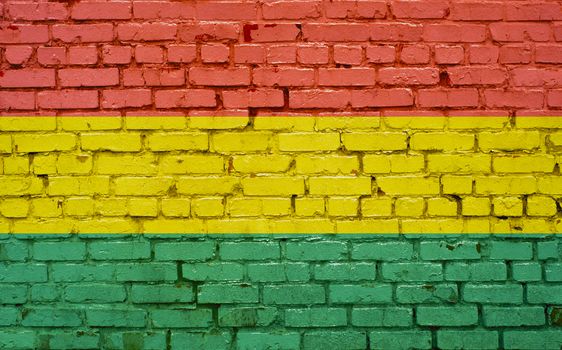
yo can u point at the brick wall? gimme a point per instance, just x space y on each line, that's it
423 135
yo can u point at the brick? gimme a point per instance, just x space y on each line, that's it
352 55
262 33
381 316
115 317
513 316
471 33
346 77
412 272
97 293
68 99
409 76
447 316
232 316
227 294
184 251
543 294
511 250
482 293
349 339
531 339
247 340
446 251
427 293
83 55
403 339
88 33
96 10
478 339
49 251
51 317
317 317
448 98
294 294
279 272
360 294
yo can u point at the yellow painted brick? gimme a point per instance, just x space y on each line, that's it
216 123
456 184
298 142
284 123
327 164
417 226
505 184
208 207
115 142
521 226
509 140
174 226
441 207
301 225
79 207
524 164
343 206
241 142
238 225
107 226
176 207
111 206
207 185
24 143
46 207
273 186
74 163
476 206
44 164
16 165
142 186
442 141
155 123
416 122
192 164
19 186
395 163
528 122
147 207
185 141
43 226
541 206
384 226
270 163
14 208
507 206
118 164
347 123
309 206
347 186
555 139
374 141
476 225
459 163
478 123
5 143
409 206
239 207
276 206
28 123
4 226
550 185
90 123
408 185
373 207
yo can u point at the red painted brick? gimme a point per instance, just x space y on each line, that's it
454 98
82 55
533 11
355 9
483 54
558 31
76 77
36 11
22 78
149 54
291 9
219 76
382 98
18 54
548 54
420 9
279 54
181 53
462 10
215 53
101 10
319 98
381 54
249 53
530 76
17 100
83 33
223 10
112 99
449 54
68 99
153 77
529 99
24 34
415 54
476 75
455 33
272 32
253 98
185 98
506 32
283 76
163 10
554 98
146 31
515 54
51 55
117 54
312 54
336 32
345 54
213 31
346 77
396 32
408 76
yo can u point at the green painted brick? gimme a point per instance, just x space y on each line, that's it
345 272
45 292
182 318
14 251
161 293
219 271
21 272
135 340
316 251
146 272
382 340
350 340
17 339
279 272
8 315
532 340
554 315
184 251
548 250
73 340
544 294
233 316
316 317
360 294
249 251
82 273
382 317
412 272
227 294
95 293
513 316
59 251
386 251
511 250
464 250
476 271
278 340
119 250
553 272
447 315
467 339
13 294
51 317
115 317
201 341
493 293
294 294
446 293
526 271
